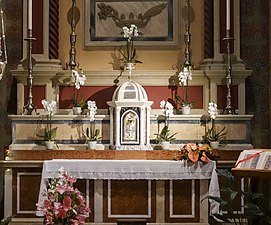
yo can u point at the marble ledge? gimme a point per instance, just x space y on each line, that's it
18 147
244 117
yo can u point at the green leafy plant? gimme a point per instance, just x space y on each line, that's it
213 135
48 133
81 104
165 135
253 206
181 102
184 76
129 52
78 79
92 134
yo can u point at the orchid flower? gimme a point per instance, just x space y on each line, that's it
212 110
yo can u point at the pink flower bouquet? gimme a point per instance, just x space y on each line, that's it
63 203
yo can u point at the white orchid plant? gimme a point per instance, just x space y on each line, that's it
184 76
48 133
212 134
167 111
92 133
79 80
129 52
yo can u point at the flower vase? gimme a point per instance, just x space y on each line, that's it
76 110
165 145
49 145
186 110
92 145
214 144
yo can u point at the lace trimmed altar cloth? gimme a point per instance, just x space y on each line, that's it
133 170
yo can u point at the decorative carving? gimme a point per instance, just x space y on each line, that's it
107 11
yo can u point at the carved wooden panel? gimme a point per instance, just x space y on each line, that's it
26 184
182 201
133 199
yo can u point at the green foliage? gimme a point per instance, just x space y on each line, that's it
92 134
254 211
81 104
129 58
48 134
6 221
213 135
165 135
182 103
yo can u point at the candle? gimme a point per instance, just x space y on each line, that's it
228 15
30 14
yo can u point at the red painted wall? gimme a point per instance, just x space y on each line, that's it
102 94
38 92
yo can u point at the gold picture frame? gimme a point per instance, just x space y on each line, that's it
158 23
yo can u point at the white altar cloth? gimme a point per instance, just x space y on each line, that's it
132 170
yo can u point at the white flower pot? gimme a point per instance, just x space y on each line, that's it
76 110
214 144
49 145
92 145
165 145
186 110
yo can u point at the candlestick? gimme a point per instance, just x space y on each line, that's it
228 15
30 14
229 109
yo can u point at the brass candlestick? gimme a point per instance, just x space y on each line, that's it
29 107
228 108
187 38
74 14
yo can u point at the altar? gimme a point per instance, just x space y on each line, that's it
149 190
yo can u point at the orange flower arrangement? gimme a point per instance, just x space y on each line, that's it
195 152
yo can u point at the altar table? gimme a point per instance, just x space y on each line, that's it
133 170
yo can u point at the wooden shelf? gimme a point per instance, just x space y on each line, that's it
94 154
252 173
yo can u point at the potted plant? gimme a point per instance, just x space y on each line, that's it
212 135
92 133
184 76
63 204
48 133
78 79
129 52
253 210
165 137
